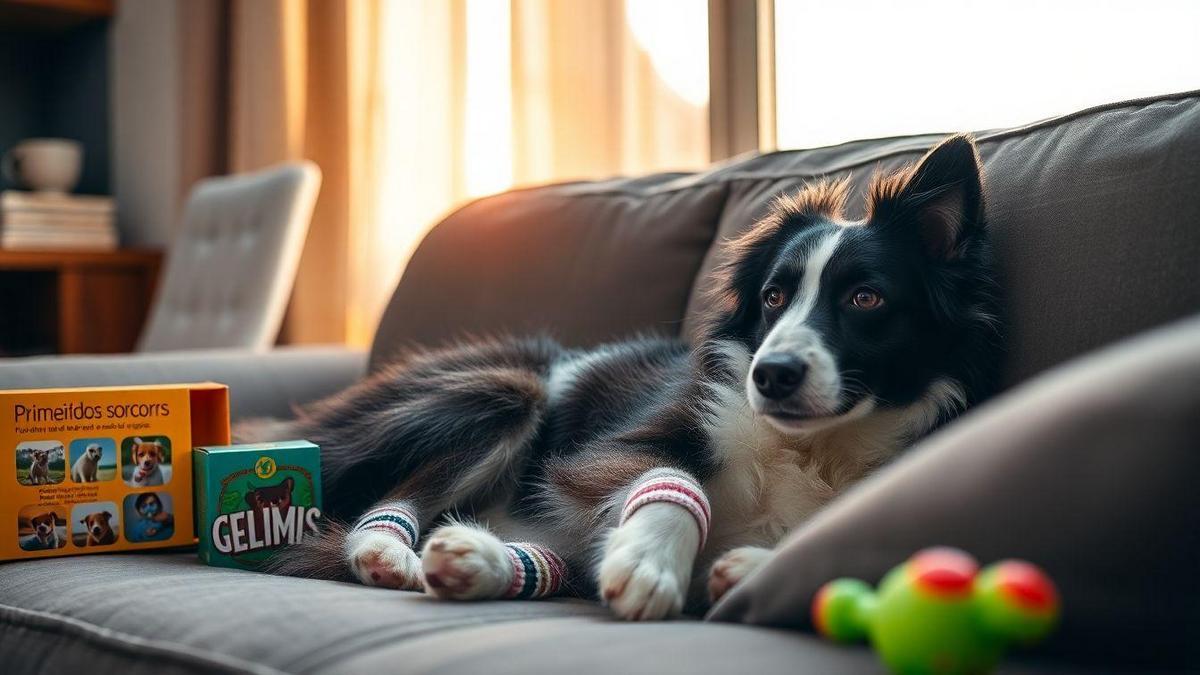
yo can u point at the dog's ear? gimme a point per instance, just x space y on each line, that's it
289 483
107 515
137 440
940 198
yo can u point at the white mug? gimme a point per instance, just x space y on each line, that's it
44 164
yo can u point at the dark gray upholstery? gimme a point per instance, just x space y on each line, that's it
168 613
1097 224
587 262
261 384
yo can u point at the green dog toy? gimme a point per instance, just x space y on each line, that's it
937 613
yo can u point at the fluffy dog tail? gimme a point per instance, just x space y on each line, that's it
319 556
444 429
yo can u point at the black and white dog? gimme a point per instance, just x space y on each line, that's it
623 470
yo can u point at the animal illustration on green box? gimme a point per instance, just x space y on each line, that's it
251 500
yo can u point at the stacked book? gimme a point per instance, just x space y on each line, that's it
50 221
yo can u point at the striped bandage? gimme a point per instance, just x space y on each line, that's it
395 518
537 571
674 486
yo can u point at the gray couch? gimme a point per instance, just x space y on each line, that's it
1087 463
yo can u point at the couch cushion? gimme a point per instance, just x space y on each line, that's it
168 613
1095 217
1089 471
585 262
261 384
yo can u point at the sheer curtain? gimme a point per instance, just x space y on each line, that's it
267 81
471 97
412 107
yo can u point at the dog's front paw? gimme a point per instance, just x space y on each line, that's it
462 562
732 567
648 562
379 559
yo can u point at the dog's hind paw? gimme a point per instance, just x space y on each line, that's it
379 559
464 562
732 567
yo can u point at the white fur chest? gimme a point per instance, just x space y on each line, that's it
766 486
770 482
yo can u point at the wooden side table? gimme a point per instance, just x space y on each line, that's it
73 302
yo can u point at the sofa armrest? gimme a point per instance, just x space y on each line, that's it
261 384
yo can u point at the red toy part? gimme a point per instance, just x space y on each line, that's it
1027 586
943 572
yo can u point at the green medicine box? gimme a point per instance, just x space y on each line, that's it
251 500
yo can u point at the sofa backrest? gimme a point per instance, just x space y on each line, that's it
1095 217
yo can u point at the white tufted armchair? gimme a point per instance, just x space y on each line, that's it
220 303
230 270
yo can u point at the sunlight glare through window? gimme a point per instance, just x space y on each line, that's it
488 135
874 68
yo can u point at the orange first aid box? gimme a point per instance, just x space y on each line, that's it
102 469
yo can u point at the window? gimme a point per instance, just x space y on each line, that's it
873 68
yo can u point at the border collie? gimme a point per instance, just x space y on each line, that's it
622 470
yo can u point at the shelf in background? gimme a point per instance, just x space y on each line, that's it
51 15
73 302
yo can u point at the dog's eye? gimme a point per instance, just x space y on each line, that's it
866 298
773 298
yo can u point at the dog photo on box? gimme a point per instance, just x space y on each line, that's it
95 524
93 459
42 528
146 460
40 463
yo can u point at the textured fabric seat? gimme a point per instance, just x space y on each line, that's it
1096 218
168 613
230 269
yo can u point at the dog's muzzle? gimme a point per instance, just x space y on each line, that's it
778 376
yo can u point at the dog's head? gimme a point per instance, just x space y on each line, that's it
93 452
273 496
96 524
43 524
845 317
147 454
41 457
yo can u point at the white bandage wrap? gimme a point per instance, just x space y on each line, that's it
395 518
675 487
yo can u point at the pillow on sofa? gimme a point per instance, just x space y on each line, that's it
1090 471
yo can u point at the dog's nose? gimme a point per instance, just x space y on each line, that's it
776 376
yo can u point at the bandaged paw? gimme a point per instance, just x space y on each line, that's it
674 487
395 519
379 559
537 571
466 562
380 546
